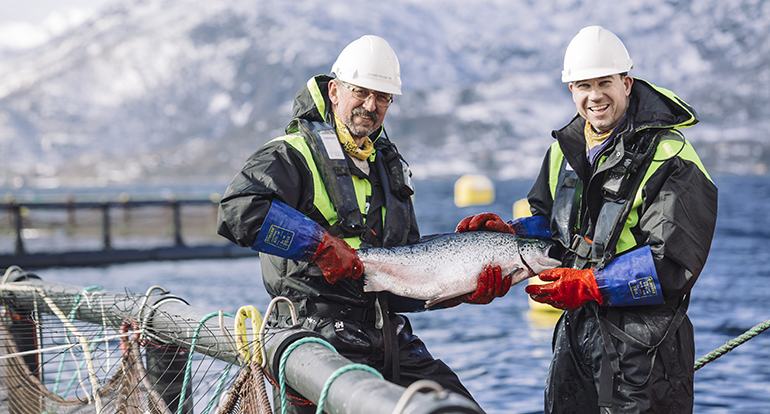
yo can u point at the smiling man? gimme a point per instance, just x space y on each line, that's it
633 211
306 200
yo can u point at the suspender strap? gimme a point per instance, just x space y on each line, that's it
611 359
333 167
391 351
398 212
564 205
606 378
582 248
620 189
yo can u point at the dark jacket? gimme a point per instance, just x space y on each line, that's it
677 213
279 171
639 358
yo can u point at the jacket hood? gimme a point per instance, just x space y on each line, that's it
312 103
655 107
649 107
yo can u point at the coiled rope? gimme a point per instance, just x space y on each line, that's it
731 344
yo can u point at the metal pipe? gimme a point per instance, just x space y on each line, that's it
310 365
177 217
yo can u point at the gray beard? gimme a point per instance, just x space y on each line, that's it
358 131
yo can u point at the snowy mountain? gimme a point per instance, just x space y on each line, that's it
156 91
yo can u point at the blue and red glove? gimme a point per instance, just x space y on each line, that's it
569 288
290 234
337 260
484 222
491 285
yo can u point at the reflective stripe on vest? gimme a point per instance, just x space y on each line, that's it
672 144
321 199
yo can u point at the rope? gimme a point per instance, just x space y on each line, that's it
257 373
190 355
282 365
263 401
241 341
337 373
731 344
220 384
228 337
71 317
65 347
83 344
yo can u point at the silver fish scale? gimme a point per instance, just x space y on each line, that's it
449 265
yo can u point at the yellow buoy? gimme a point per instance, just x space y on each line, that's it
542 320
537 306
521 209
474 190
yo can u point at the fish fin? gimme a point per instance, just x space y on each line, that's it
431 302
371 285
519 275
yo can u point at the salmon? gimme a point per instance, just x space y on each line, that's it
448 265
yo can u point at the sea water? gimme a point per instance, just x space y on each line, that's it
501 351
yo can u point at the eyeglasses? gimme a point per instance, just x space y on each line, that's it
380 99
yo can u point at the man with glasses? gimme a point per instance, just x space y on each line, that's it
293 192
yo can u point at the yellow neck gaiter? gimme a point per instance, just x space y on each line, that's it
349 144
594 138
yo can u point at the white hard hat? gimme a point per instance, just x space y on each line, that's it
369 62
593 53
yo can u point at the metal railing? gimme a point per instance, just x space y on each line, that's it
20 212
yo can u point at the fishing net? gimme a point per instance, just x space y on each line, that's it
248 394
127 391
52 361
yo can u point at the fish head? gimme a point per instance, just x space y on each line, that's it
535 255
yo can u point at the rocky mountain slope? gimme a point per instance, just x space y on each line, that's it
156 91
